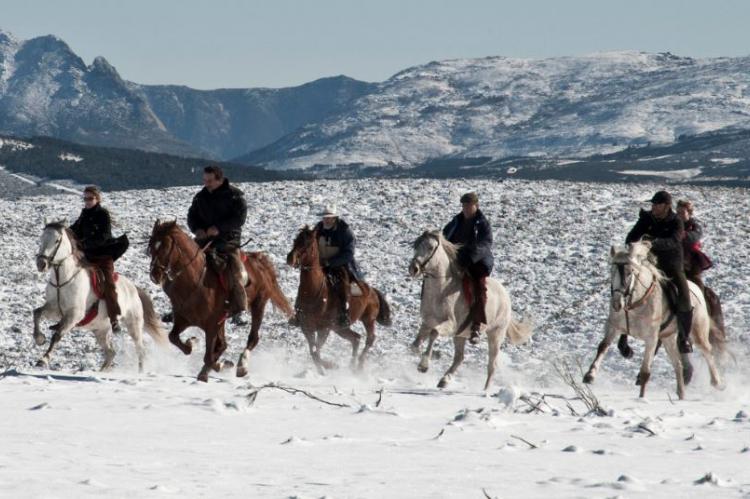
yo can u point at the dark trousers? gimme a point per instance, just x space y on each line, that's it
106 266
340 283
479 274
676 274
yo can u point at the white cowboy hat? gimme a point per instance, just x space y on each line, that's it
328 212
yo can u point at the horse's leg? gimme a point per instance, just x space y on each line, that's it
424 330
648 358
104 338
370 331
424 363
178 326
670 345
458 357
352 337
220 346
609 337
310 337
493 342
41 313
209 358
319 342
708 354
135 329
66 324
257 308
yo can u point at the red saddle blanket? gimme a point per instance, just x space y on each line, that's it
222 276
95 277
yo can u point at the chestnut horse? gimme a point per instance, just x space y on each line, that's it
318 307
198 294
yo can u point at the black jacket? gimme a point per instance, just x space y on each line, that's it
342 237
478 246
666 234
224 208
94 232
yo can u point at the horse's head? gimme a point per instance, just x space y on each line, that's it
161 248
304 249
425 248
627 262
54 246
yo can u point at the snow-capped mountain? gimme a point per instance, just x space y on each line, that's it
498 107
46 89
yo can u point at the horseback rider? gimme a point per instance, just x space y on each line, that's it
665 230
336 248
694 259
216 215
93 229
473 232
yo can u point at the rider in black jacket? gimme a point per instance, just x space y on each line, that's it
665 229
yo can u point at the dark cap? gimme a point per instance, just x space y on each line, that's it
470 197
662 197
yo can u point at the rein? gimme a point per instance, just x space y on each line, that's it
170 274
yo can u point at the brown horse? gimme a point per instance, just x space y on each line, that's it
318 307
198 294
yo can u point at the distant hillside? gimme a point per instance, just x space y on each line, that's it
113 168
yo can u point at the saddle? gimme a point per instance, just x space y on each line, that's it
97 278
218 263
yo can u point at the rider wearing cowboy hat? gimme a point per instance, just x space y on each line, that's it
336 248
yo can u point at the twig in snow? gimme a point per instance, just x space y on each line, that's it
570 377
437 437
380 398
525 441
486 495
254 394
669 396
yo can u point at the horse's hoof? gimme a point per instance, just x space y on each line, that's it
421 368
42 363
442 383
203 377
588 378
687 373
241 371
40 339
222 365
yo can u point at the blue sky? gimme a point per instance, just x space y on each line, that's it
233 43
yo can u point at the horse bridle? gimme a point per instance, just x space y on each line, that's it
51 257
628 290
421 265
167 270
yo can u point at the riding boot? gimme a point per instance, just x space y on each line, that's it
479 313
109 290
237 293
623 347
684 325
342 291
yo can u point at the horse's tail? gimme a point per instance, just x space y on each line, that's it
275 294
717 335
384 314
520 331
151 319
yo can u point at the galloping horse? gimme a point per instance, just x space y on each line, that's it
198 293
71 299
317 306
445 311
640 307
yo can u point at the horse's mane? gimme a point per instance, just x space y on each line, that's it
636 255
450 249
173 228
75 244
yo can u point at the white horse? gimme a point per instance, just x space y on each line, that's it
444 309
69 296
639 307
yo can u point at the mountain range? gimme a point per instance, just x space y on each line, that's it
458 112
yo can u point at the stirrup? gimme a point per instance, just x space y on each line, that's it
684 345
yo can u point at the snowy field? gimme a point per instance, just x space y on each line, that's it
73 432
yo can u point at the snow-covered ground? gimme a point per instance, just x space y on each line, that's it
73 432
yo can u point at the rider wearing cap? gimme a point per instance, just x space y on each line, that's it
473 232
665 230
